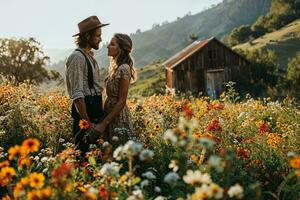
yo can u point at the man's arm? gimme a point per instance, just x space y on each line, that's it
81 108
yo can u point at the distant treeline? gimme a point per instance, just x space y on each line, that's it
281 13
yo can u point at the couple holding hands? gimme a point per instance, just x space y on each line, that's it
85 90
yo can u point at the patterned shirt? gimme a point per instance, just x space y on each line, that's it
77 76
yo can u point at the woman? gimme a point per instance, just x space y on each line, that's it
121 74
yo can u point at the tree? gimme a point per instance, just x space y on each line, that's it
239 35
23 59
263 70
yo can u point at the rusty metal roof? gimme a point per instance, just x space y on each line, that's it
185 53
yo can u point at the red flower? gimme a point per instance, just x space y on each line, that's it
62 171
188 111
102 192
240 152
263 128
214 125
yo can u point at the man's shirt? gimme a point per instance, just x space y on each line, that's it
77 76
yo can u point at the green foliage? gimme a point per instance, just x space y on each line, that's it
293 75
239 35
23 59
263 70
281 13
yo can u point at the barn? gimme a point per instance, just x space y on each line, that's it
203 67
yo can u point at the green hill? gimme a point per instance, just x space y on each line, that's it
151 80
285 42
162 41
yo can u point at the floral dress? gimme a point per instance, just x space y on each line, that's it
121 125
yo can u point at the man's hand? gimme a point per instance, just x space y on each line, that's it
100 127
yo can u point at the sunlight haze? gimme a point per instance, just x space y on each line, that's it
53 22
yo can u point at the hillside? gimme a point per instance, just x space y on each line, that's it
285 42
163 41
151 80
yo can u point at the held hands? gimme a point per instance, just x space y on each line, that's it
100 127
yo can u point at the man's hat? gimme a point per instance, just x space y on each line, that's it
88 24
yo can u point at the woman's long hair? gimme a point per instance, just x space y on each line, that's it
124 56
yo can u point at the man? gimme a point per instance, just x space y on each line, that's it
83 80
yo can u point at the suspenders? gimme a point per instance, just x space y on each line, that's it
90 71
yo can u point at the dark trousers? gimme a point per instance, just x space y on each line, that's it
95 113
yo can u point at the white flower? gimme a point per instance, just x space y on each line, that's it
216 191
159 198
45 170
146 155
61 140
173 165
132 148
136 195
115 138
118 153
149 175
36 158
110 169
105 144
196 177
93 190
171 177
236 191
145 183
169 135
44 159
1 149
157 189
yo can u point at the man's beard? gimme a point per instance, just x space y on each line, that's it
94 45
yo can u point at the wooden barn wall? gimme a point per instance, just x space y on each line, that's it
190 74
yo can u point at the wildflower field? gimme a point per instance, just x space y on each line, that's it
188 148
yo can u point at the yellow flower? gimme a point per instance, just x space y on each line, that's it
34 195
19 189
36 180
295 162
7 172
84 124
89 196
32 145
15 151
273 139
46 193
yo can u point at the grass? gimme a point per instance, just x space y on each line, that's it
285 42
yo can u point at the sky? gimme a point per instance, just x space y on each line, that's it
53 22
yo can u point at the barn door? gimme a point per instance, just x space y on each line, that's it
214 82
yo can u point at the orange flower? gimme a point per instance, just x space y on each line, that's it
7 172
46 193
297 173
36 180
15 152
89 196
24 161
6 198
84 124
4 164
295 162
6 175
31 144
34 195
